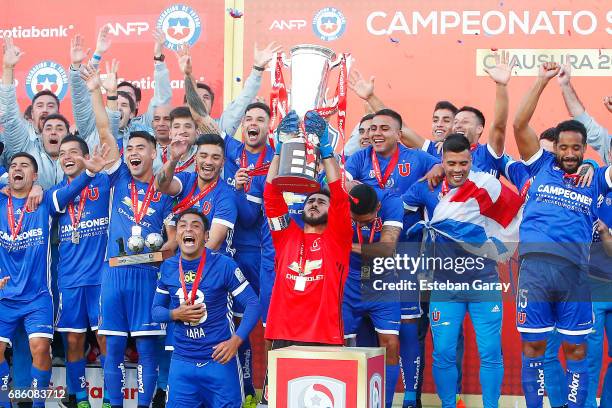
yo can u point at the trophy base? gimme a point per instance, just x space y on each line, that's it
137 259
296 184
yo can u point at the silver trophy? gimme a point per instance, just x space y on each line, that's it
310 68
136 244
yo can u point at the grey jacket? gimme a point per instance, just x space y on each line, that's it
598 136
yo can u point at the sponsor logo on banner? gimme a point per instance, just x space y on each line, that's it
316 391
288 25
181 24
375 392
128 28
35 31
329 24
47 75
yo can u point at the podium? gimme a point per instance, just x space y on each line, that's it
330 377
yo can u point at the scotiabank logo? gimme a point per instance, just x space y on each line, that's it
316 392
36 32
282 25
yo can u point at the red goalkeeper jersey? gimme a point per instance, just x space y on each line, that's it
311 269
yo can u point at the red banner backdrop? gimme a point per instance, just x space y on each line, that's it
43 30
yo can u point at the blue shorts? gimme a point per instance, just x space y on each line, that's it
204 384
126 298
35 314
384 315
553 293
248 260
79 308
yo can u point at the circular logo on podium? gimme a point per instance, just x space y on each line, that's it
329 24
49 76
181 24
375 400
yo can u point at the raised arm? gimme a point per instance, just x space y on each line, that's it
570 97
526 138
233 113
365 90
16 135
162 92
164 179
92 80
501 74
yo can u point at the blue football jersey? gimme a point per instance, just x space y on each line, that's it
600 262
219 205
122 213
517 173
233 158
419 196
558 217
221 281
81 264
27 258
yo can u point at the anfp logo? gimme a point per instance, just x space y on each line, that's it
181 24
316 392
49 76
329 24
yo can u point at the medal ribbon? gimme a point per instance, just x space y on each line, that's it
196 282
373 227
279 100
76 218
382 180
190 200
139 213
445 187
11 217
259 169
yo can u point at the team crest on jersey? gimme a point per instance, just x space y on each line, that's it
404 169
181 24
521 317
316 245
435 315
49 76
205 207
608 201
93 194
329 24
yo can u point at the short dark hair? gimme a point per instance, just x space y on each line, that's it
548 134
144 135
194 211
365 199
130 100
456 143
136 89
258 105
180 112
446 105
27 113
58 117
323 191
82 145
475 111
46 92
27 156
369 116
571 126
391 113
211 139
208 89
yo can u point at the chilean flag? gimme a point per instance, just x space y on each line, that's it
483 216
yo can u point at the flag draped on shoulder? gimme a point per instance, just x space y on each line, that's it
483 216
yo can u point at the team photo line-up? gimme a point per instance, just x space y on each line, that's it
163 232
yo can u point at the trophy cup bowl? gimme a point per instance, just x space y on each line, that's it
310 67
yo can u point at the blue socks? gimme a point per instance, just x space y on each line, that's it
40 380
75 379
104 389
410 359
391 376
147 368
532 378
114 371
577 382
164 368
245 354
